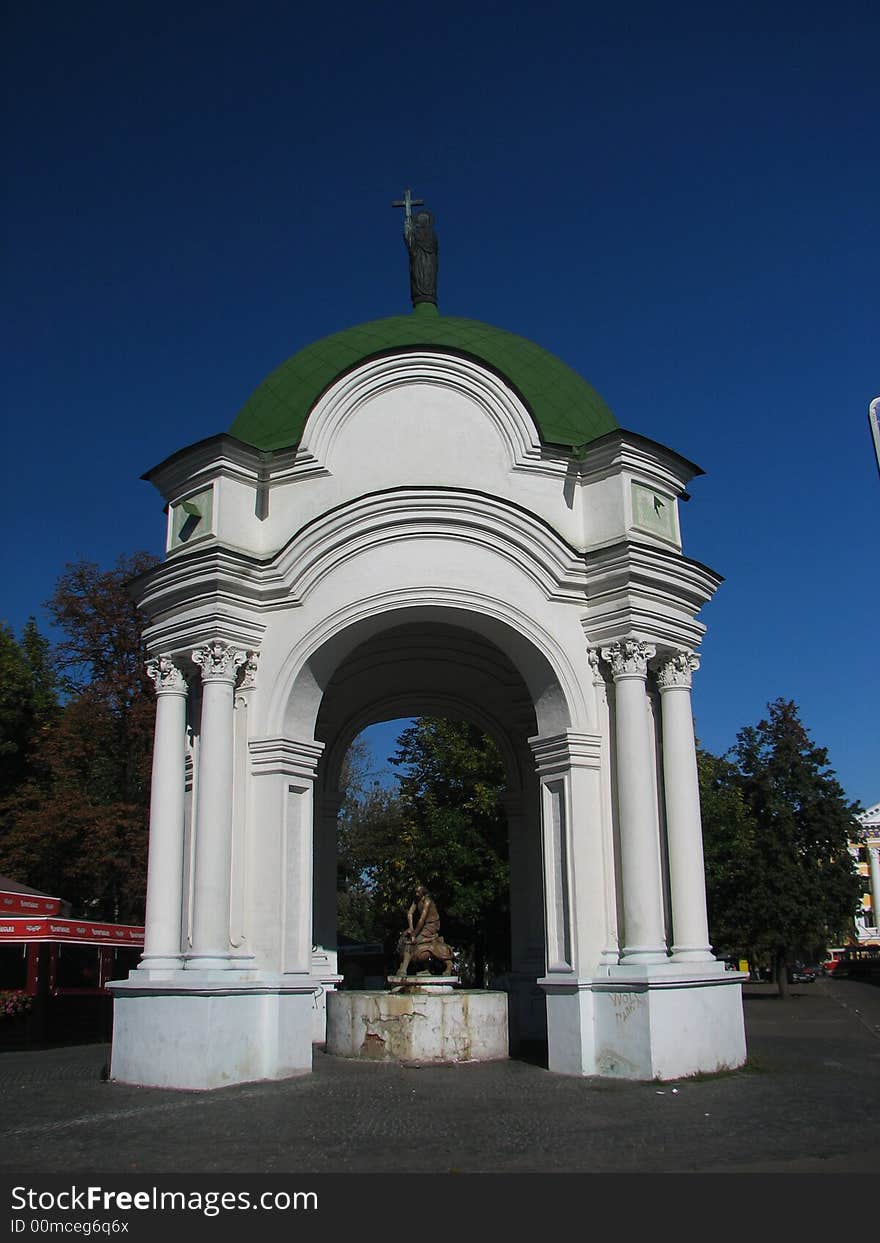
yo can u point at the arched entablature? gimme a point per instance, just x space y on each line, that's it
401 515
474 409
555 686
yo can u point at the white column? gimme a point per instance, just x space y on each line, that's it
552 762
242 706
285 770
611 952
644 931
687 881
568 766
213 821
162 933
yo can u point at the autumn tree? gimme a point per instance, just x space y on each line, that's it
78 826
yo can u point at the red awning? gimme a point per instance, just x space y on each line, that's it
81 931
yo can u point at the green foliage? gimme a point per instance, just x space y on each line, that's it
731 862
74 819
456 830
28 702
780 878
369 829
444 826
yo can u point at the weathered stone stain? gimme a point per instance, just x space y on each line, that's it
373 1046
417 1028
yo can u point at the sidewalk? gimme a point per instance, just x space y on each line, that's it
806 1102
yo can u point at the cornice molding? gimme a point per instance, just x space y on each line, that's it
557 754
285 756
180 636
217 456
223 579
649 592
644 459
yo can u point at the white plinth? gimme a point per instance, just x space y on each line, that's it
464 1025
680 1020
179 1034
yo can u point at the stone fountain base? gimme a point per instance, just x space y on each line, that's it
422 1019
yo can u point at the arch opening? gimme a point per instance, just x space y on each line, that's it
438 819
475 841
392 657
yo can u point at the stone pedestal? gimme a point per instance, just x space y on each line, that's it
185 1032
676 1020
418 1024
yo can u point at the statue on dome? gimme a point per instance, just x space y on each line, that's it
421 242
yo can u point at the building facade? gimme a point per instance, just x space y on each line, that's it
866 852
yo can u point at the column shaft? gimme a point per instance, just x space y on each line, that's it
213 818
644 930
162 933
687 880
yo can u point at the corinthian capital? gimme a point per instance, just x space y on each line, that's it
165 675
629 657
219 662
676 670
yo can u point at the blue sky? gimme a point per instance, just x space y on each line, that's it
680 200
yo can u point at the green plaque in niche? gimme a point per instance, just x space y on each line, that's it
654 511
192 518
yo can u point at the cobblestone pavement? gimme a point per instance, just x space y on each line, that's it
807 1101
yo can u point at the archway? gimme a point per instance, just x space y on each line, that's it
431 667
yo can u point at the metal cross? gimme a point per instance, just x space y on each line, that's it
408 202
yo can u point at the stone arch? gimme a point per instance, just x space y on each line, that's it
423 664
542 663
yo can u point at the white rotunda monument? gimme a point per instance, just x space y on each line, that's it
424 515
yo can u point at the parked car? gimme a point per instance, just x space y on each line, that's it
799 974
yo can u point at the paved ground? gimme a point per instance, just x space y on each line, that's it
808 1101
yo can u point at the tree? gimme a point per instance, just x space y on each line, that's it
804 889
443 826
454 836
730 855
28 702
368 828
76 824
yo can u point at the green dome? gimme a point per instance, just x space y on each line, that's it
566 410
